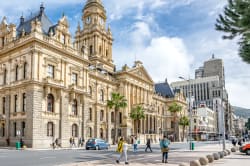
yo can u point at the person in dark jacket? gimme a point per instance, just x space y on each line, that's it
148 146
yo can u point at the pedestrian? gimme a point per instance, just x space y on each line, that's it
234 142
8 141
239 142
135 143
80 142
71 142
21 142
164 143
148 145
122 148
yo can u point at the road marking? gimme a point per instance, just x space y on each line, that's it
2 156
46 158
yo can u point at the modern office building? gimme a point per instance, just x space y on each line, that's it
54 88
208 88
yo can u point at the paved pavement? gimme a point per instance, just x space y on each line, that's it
80 157
175 157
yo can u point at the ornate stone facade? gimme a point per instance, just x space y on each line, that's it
52 88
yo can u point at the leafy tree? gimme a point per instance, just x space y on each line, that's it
247 125
235 22
137 114
175 108
184 121
117 102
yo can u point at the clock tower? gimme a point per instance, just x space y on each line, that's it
95 36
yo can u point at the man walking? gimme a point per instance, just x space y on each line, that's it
122 148
148 146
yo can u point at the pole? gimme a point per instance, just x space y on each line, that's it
190 114
190 111
223 123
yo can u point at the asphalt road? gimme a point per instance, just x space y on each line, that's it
61 157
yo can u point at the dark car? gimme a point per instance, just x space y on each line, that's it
245 149
97 144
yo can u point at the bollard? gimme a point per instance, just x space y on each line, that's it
210 158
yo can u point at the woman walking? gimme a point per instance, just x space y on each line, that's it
122 148
164 149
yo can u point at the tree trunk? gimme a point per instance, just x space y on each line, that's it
115 128
175 127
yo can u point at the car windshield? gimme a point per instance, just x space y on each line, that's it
91 140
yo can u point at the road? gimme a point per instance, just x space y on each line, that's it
64 157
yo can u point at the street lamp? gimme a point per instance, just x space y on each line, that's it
223 122
190 111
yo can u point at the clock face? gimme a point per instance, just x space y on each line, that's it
88 20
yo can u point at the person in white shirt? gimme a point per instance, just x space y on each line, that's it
122 148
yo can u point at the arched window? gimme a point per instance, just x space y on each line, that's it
112 117
101 115
90 132
50 129
90 114
74 107
50 103
90 91
5 76
74 130
101 132
25 70
101 95
17 68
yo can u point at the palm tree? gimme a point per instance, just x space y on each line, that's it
175 108
117 101
184 121
137 114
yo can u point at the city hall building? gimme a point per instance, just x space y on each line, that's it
54 88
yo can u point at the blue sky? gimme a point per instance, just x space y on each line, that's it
171 37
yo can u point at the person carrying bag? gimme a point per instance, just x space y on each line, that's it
164 149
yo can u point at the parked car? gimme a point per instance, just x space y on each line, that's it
245 149
97 144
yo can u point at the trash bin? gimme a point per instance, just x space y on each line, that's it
192 145
18 146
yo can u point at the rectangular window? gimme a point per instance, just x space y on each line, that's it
24 102
4 105
14 126
50 128
50 71
23 127
90 114
25 70
15 106
101 115
5 76
120 117
74 78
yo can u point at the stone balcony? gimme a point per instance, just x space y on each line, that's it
17 115
53 81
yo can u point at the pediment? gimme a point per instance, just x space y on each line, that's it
141 73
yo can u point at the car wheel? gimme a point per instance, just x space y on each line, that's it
97 148
87 148
248 151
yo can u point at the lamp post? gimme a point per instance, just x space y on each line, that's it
223 122
190 112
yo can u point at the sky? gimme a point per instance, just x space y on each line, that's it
171 38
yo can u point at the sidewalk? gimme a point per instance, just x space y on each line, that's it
175 157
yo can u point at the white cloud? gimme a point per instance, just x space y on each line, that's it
166 57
